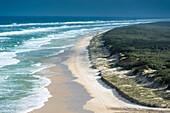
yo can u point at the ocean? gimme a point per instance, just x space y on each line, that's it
25 45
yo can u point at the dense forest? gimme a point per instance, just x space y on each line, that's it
142 47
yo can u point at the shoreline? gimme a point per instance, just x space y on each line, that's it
59 68
63 89
103 99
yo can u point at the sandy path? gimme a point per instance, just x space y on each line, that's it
104 98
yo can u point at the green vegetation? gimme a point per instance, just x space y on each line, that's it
142 95
143 53
144 46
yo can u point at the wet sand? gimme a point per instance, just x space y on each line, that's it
67 95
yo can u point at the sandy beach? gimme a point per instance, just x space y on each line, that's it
67 95
105 99
91 96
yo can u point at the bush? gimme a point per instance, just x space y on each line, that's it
144 46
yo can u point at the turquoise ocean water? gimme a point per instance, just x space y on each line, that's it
25 43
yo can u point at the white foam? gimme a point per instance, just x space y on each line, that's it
39 95
81 22
6 77
34 30
34 44
42 68
86 22
52 23
28 24
6 58
4 38
37 64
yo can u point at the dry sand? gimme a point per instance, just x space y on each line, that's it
105 99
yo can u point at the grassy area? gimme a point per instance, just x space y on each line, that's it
143 95
143 50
